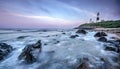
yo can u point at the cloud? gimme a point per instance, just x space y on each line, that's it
74 8
57 13
45 7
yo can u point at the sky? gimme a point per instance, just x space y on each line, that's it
55 13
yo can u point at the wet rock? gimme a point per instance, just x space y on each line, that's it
108 65
81 31
57 42
111 48
45 43
50 52
100 34
74 36
63 33
118 50
115 38
5 49
21 37
115 58
44 30
48 36
30 52
56 35
115 43
18 30
54 39
84 64
102 39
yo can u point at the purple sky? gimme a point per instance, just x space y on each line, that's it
55 13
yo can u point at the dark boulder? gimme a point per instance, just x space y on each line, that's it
84 64
18 30
118 50
56 42
31 52
81 31
115 43
56 35
108 65
63 33
74 36
48 36
111 48
115 38
102 39
21 37
100 34
45 43
5 49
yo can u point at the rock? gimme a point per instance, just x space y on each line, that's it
48 36
118 50
74 36
115 38
21 37
54 39
100 34
63 33
57 42
102 39
44 30
31 52
18 30
111 48
45 43
108 65
81 31
84 64
115 43
56 35
5 49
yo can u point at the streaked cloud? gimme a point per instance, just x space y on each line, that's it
56 13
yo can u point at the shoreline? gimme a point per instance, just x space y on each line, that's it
109 30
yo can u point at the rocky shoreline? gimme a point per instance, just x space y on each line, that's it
109 30
30 54
109 45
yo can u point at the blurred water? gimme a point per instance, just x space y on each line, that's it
63 55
